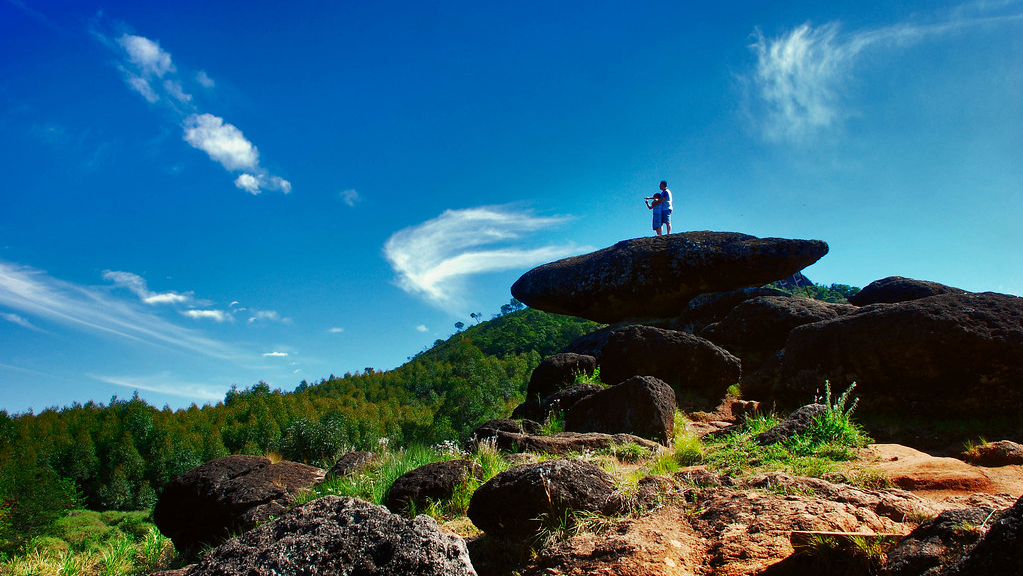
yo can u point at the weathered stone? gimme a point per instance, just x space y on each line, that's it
894 289
1000 551
689 364
656 277
230 494
489 430
335 535
558 372
642 405
436 482
1001 453
937 542
757 329
514 504
350 464
794 424
949 354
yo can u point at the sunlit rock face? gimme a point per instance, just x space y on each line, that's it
656 277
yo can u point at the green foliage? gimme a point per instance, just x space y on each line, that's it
838 293
590 377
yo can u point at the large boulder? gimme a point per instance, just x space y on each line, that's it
351 464
937 542
336 535
558 372
1000 551
707 309
691 365
642 405
949 354
436 481
756 329
656 277
895 289
203 506
520 501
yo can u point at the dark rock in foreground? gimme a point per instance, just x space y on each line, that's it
658 276
1000 551
335 535
514 504
642 405
937 542
894 289
205 505
436 481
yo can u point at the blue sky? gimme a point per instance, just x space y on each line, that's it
196 195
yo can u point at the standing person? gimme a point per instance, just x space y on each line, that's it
661 207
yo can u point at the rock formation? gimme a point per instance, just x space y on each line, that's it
335 535
895 289
658 276
642 405
205 505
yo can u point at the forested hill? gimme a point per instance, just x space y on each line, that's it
119 455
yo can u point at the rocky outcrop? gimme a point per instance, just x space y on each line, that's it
937 542
558 372
204 506
707 309
757 329
1000 551
490 429
894 289
350 464
946 354
642 405
991 454
689 364
335 535
436 481
518 502
658 276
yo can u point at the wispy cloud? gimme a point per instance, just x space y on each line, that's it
434 259
801 77
164 384
33 294
215 315
422 328
139 287
15 319
350 197
336 330
150 71
275 355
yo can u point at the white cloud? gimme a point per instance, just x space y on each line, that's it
223 142
267 316
15 319
350 197
422 328
215 315
164 384
149 71
336 330
801 77
202 78
34 294
137 285
276 354
435 258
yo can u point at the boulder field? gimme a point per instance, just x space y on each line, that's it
692 323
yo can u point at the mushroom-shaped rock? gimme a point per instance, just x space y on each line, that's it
656 277
513 504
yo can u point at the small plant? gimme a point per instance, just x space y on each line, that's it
630 452
590 377
554 424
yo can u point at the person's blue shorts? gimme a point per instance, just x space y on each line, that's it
661 218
